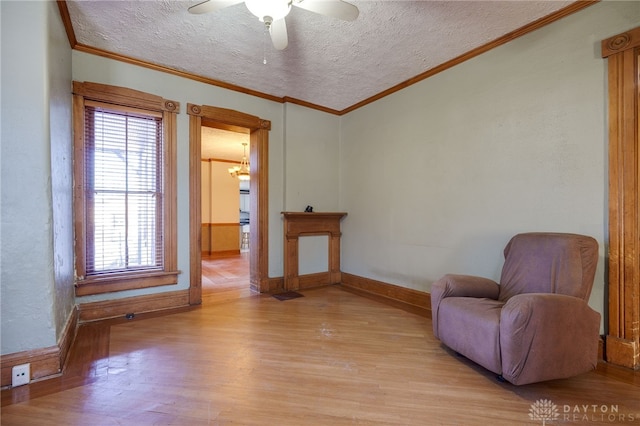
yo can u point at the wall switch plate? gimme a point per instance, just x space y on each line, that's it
20 375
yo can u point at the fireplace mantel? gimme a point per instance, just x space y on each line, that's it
298 224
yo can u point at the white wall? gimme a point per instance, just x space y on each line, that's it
225 194
312 158
37 294
220 197
437 177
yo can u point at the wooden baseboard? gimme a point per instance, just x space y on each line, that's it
319 279
415 301
272 285
44 362
68 335
221 253
96 311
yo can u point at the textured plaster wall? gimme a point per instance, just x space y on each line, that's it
312 158
436 178
26 250
59 58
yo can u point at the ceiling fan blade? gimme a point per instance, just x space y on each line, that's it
211 6
335 8
278 31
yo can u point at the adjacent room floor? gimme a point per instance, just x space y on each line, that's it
225 278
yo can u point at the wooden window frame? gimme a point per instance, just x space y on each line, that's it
121 98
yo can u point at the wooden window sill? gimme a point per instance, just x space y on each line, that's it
120 282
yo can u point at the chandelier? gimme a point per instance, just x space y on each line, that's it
242 171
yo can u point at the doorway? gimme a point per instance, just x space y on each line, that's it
226 207
258 129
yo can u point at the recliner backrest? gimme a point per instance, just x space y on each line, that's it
544 262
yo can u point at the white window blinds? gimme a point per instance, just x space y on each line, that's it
123 190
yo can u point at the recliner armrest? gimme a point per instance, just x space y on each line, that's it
453 285
547 336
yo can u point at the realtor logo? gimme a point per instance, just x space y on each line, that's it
545 410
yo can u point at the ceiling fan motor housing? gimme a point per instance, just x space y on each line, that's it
269 10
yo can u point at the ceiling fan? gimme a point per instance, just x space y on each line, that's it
273 12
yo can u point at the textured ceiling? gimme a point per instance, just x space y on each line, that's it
329 63
223 144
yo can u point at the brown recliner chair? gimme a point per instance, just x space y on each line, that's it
536 324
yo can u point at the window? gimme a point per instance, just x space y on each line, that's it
124 189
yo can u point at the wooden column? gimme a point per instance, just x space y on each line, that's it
623 334
309 224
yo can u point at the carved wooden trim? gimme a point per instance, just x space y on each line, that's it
622 344
203 115
297 224
621 42
124 96
228 117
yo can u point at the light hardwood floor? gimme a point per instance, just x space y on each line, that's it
225 278
331 357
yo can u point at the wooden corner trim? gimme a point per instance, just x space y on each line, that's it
66 21
68 335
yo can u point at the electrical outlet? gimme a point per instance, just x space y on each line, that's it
20 375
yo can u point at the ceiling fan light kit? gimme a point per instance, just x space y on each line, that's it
265 9
273 12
